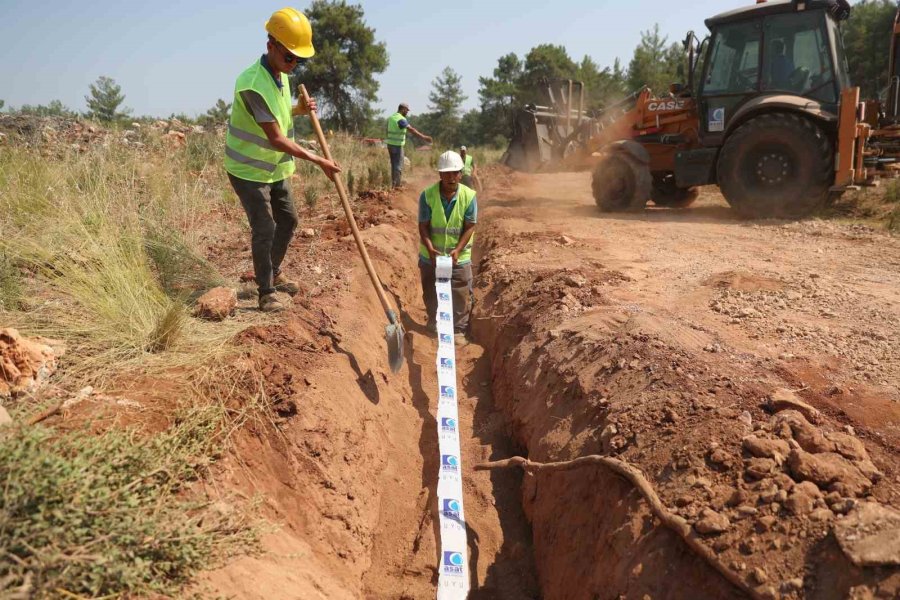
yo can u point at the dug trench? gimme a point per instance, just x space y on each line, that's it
770 460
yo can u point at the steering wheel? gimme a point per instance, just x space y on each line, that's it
745 78
797 78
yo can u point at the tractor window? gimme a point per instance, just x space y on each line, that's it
797 57
734 60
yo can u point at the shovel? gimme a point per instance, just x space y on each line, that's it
393 332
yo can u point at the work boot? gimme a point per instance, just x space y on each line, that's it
283 284
270 304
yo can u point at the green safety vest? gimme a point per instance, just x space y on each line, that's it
248 152
467 168
445 233
396 136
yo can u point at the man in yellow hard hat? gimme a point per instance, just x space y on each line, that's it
260 150
397 126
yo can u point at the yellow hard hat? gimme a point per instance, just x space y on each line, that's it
291 27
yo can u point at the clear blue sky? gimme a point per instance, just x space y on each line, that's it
181 57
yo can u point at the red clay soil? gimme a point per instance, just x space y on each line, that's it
347 464
660 339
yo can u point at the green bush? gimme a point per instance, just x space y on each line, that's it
100 515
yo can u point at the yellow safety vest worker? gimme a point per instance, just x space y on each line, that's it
248 152
467 168
445 233
396 135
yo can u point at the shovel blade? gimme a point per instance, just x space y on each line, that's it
393 335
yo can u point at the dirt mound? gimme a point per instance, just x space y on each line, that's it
578 372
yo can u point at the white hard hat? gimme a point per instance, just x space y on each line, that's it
462 148
449 161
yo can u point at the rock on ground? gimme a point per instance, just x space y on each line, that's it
216 304
870 535
25 363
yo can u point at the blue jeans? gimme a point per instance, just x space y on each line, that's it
396 154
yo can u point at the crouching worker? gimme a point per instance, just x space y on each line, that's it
260 150
448 211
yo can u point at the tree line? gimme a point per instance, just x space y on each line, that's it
348 59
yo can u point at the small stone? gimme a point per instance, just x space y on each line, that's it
308 232
719 457
792 585
745 511
766 523
759 575
777 450
216 304
821 514
759 468
746 418
712 522
783 399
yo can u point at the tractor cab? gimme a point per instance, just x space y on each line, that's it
779 54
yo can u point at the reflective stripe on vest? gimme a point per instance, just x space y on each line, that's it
396 136
248 153
445 233
467 168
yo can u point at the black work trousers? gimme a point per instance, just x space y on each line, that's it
273 219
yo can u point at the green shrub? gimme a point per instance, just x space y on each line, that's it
100 515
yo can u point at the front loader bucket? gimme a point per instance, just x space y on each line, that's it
541 139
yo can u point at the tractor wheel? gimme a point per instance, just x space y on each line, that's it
776 165
620 183
665 193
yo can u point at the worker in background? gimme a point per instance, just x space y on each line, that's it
470 172
260 150
781 67
397 126
448 211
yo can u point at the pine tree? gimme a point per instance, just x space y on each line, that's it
217 114
446 98
341 76
654 64
104 100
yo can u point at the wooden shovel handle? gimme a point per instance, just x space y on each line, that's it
345 202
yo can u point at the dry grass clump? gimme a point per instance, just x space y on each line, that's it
100 249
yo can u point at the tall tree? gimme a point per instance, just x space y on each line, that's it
602 87
445 102
543 64
105 99
341 75
867 38
655 62
498 96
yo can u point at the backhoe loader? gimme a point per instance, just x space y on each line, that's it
767 113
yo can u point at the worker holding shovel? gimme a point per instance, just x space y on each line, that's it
260 150
448 211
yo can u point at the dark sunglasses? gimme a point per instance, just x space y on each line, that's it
288 56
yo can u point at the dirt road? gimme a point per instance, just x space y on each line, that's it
658 338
